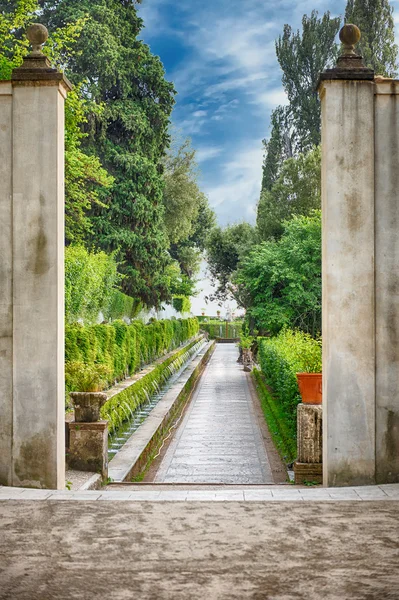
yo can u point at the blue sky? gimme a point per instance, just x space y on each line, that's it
221 56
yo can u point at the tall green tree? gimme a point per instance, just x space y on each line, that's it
225 248
85 178
377 45
302 56
181 195
279 147
188 217
280 281
297 191
84 175
15 16
130 135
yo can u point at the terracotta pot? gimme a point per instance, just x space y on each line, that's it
310 387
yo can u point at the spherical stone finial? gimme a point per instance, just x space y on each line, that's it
37 34
350 36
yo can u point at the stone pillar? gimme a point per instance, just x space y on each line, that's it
34 272
387 278
308 466
347 99
6 317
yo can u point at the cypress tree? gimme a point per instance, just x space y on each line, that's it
377 46
128 131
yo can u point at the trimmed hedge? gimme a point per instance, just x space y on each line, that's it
121 306
217 329
123 348
181 304
281 358
119 408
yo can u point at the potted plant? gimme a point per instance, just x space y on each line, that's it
218 314
310 380
90 380
203 312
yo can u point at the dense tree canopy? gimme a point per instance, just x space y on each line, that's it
297 191
302 56
129 134
280 282
377 46
225 248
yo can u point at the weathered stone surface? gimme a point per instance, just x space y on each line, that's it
32 276
310 433
308 473
387 279
88 447
6 372
348 282
88 405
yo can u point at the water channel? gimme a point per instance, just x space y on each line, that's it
155 392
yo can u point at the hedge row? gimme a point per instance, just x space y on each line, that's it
123 348
119 408
217 329
281 358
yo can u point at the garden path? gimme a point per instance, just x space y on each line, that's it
219 439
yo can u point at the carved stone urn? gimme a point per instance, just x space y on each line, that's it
247 359
88 405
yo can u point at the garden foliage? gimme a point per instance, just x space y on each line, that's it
181 304
280 281
122 348
120 406
217 329
281 358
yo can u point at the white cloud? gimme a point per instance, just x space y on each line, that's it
237 196
272 98
204 154
200 113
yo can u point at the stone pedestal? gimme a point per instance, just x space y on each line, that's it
32 274
308 466
88 447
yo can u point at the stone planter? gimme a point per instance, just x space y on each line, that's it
310 387
247 359
88 405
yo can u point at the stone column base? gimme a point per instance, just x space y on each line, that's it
308 472
88 447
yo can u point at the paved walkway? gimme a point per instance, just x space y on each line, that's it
219 440
209 493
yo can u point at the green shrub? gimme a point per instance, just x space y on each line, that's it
182 304
87 378
121 306
123 349
120 406
281 358
90 281
217 329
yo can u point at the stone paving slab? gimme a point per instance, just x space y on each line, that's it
283 493
277 550
137 446
219 440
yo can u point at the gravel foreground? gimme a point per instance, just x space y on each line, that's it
199 550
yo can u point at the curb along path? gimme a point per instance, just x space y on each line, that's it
219 439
